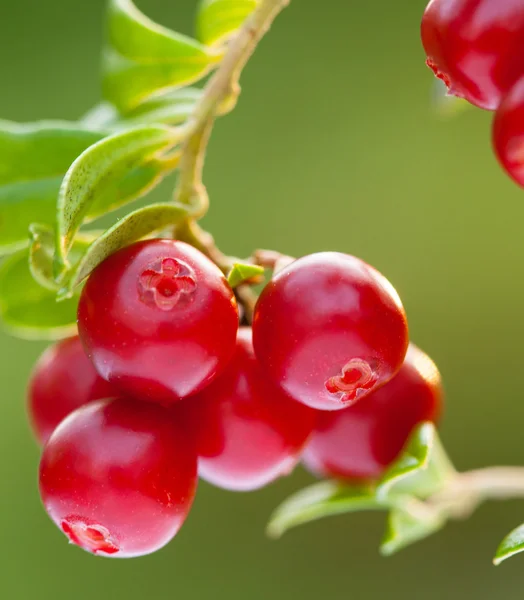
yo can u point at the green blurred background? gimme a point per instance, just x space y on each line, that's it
333 145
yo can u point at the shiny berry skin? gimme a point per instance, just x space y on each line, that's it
475 47
63 379
248 431
118 477
508 133
329 329
159 320
359 443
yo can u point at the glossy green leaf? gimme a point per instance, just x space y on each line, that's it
143 58
412 522
512 544
218 19
131 228
29 310
34 158
121 162
321 500
422 469
242 272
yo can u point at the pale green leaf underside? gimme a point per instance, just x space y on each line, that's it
122 162
143 58
131 228
421 469
410 523
217 19
512 544
34 158
318 501
242 272
29 310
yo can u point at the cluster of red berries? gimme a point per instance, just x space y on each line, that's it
477 48
163 384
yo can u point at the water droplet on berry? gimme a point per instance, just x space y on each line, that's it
356 376
91 537
167 283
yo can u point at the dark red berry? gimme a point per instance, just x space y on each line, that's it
475 47
359 443
508 132
329 329
62 380
158 320
118 477
249 432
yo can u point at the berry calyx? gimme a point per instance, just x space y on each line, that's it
359 443
508 133
118 477
158 320
329 329
475 47
62 379
248 431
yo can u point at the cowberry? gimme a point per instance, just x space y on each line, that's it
475 47
118 477
359 443
159 320
508 132
62 380
329 329
248 431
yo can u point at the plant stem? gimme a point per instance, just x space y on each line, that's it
221 87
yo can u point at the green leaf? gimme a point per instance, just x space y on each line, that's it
131 228
512 544
33 161
218 19
242 272
29 310
108 174
321 500
422 469
411 522
143 58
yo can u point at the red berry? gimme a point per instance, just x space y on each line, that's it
159 320
329 329
249 432
62 380
118 477
508 132
475 47
359 443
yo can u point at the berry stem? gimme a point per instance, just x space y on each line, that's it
220 94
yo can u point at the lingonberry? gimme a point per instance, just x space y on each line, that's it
159 320
359 443
329 329
118 477
62 380
508 132
248 431
475 47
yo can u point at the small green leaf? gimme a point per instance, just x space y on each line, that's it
29 310
131 228
411 522
512 544
421 470
321 500
34 158
242 272
115 163
143 58
41 253
218 19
